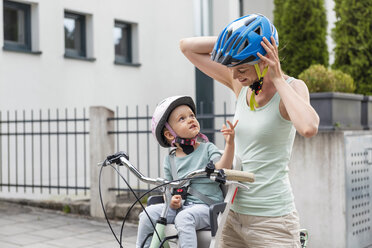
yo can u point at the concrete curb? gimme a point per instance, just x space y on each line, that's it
115 211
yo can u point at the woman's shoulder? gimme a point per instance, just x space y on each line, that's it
299 86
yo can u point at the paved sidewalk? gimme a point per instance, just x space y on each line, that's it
29 227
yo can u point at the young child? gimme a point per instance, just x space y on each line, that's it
174 124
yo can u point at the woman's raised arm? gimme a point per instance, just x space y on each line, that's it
197 50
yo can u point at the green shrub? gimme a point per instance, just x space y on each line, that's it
353 38
302 28
344 82
66 209
320 79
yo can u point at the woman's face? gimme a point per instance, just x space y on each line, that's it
245 74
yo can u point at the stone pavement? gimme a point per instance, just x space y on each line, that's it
29 227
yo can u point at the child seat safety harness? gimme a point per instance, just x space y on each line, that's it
186 189
187 145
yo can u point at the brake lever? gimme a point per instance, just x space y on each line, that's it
115 158
238 184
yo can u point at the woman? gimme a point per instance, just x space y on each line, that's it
271 107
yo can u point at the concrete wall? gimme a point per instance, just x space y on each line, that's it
317 176
322 181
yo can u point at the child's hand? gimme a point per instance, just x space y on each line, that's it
229 133
176 202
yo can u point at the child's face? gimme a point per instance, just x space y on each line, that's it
183 122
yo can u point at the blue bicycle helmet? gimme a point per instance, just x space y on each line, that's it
239 42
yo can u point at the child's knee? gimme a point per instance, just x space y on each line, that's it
152 211
184 218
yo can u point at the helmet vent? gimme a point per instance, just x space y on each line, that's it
258 30
249 21
243 45
228 35
231 43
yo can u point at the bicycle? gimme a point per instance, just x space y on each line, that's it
164 232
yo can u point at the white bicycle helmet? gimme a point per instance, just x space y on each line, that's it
162 113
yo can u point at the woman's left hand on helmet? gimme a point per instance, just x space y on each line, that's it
271 59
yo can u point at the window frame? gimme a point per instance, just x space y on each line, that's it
120 59
75 53
11 45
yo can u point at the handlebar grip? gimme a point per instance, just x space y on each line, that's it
242 176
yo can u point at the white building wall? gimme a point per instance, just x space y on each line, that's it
264 7
222 15
49 80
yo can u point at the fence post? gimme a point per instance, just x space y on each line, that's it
101 144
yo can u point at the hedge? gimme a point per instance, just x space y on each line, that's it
353 38
302 27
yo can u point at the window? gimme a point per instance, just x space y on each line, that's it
17 26
75 45
123 42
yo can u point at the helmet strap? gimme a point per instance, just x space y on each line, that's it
256 87
187 145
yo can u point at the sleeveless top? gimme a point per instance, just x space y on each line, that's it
263 141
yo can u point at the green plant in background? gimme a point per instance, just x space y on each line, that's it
353 38
144 199
320 79
66 209
302 27
343 81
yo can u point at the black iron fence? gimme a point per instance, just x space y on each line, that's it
48 151
44 151
133 134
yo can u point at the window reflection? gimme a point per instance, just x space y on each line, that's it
122 42
74 34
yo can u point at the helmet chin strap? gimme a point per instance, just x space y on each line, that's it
187 145
256 87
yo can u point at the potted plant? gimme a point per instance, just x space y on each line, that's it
331 95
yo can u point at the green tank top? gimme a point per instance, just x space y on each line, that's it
264 141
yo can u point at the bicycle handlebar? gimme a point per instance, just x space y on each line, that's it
221 175
242 176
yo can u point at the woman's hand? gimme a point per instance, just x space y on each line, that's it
271 59
229 133
295 101
176 202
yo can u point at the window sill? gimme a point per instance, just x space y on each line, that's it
127 64
18 50
79 58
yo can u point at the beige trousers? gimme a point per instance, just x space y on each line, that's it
247 231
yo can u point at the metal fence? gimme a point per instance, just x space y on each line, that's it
44 151
133 134
48 151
